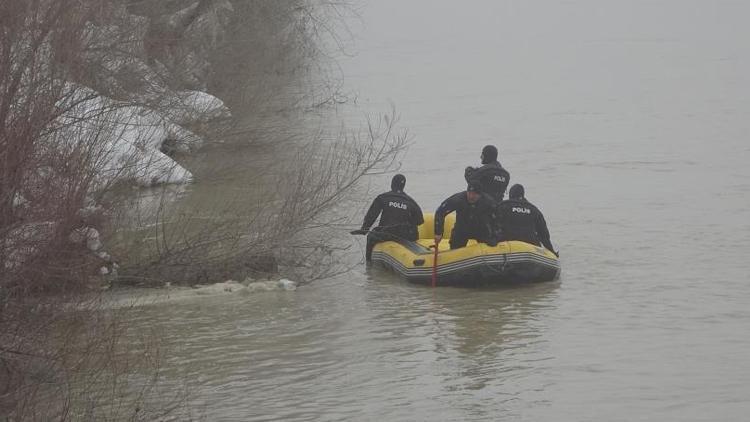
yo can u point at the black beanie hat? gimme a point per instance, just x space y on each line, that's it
489 154
398 182
516 191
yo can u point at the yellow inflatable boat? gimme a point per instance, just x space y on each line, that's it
476 264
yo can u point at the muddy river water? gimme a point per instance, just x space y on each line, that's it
627 121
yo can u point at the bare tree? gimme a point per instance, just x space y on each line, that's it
75 78
37 50
289 222
56 351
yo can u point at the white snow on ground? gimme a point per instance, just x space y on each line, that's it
131 136
195 107
134 143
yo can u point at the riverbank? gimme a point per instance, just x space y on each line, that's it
134 107
109 102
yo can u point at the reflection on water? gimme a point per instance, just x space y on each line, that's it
321 350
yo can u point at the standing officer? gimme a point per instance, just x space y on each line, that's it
491 177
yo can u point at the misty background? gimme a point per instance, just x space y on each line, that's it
626 121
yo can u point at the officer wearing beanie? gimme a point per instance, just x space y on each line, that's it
474 217
399 216
491 177
521 220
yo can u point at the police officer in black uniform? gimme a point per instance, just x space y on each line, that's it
474 218
399 216
491 177
521 220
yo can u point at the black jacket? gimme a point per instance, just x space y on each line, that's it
400 214
521 220
492 178
473 218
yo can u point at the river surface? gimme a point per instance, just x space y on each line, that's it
627 121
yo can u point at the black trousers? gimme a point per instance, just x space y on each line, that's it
380 234
459 238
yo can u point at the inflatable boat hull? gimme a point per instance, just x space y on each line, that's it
476 264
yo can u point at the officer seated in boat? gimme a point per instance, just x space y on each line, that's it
492 178
475 213
399 216
520 220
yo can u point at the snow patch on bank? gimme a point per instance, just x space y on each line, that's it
133 137
191 107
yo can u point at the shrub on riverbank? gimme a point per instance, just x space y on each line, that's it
95 97
292 225
91 90
98 95
80 111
